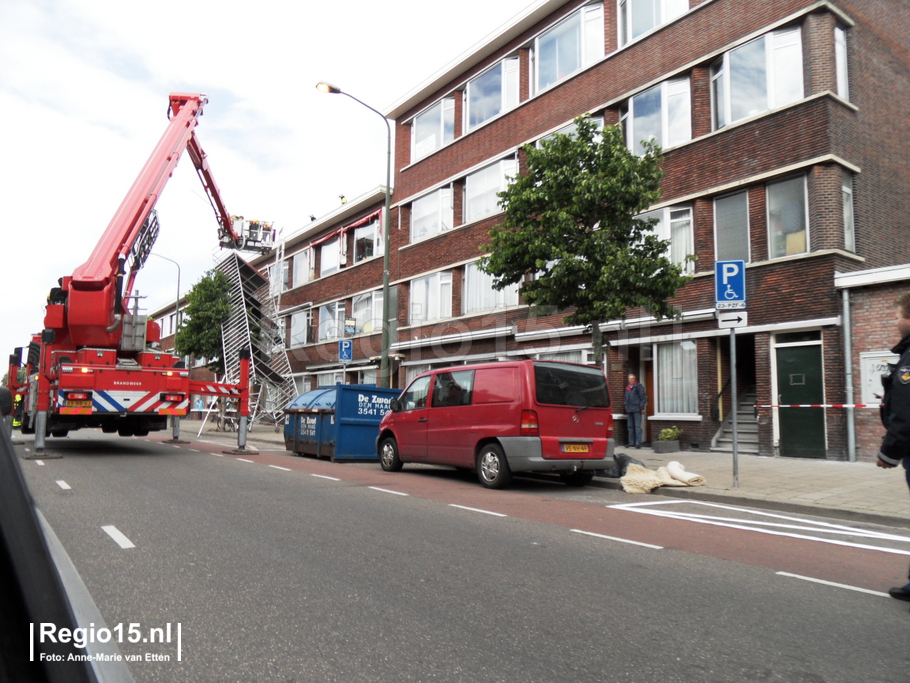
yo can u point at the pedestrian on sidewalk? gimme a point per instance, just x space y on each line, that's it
895 412
636 400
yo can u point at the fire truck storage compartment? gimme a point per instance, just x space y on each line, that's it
339 422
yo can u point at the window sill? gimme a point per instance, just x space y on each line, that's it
676 417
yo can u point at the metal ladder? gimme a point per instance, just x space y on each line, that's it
253 324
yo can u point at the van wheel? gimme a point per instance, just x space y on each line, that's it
493 468
577 478
388 455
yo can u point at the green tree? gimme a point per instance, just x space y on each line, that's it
208 306
570 224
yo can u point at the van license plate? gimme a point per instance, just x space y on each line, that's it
575 448
78 404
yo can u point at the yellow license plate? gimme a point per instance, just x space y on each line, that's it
78 404
575 448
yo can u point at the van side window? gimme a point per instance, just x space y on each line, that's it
453 388
415 396
570 385
496 385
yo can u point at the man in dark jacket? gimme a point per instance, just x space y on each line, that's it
895 411
635 403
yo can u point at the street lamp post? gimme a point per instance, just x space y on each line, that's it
384 379
177 303
175 421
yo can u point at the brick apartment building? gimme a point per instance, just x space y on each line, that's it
780 124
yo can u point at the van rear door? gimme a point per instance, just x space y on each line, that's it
573 409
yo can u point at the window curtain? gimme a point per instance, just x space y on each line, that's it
677 378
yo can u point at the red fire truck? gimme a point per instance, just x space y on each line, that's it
98 362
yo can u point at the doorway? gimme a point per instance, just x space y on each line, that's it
800 381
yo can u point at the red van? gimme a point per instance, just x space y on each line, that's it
500 418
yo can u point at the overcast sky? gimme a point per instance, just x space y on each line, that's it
84 88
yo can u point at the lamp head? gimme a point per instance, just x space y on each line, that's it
322 86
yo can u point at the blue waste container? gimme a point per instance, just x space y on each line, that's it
339 422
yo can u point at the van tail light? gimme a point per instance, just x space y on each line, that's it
609 426
529 424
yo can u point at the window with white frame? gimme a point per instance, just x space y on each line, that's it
763 74
731 227
366 241
482 187
431 298
478 294
637 17
677 378
433 128
301 328
331 321
674 223
575 42
662 113
788 225
329 379
491 93
432 214
303 267
279 276
367 309
366 376
847 198
330 257
571 129
840 61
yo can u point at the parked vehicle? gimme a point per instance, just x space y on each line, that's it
501 418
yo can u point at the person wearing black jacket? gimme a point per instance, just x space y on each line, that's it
635 402
895 411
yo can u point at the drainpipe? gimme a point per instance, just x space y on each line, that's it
848 365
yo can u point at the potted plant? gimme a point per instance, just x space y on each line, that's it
668 440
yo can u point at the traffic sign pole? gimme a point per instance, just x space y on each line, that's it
730 295
735 407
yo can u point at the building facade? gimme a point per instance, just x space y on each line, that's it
779 124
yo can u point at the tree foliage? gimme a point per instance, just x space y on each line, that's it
208 306
570 223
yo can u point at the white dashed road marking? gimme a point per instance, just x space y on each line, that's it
397 493
836 585
118 536
486 512
620 540
62 484
322 476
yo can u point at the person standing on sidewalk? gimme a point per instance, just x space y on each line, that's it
636 400
895 412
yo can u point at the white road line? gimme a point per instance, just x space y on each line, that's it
243 460
62 484
486 512
322 476
620 540
220 455
397 493
286 469
749 525
118 536
39 463
194 450
836 585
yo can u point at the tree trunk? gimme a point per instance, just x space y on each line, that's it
597 342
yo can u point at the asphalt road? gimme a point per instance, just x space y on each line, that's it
293 569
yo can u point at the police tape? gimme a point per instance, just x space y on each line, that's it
823 405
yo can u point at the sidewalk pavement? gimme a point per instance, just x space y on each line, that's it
857 491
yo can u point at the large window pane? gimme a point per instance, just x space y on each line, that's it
485 96
303 267
431 298
431 214
366 241
731 228
367 311
434 128
482 187
748 80
559 52
646 120
479 295
329 325
787 217
840 57
661 114
675 224
787 67
330 257
677 378
847 196
637 17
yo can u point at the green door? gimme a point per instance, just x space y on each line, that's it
799 381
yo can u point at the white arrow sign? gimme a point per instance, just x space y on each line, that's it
728 319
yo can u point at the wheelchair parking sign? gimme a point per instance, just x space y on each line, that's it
729 285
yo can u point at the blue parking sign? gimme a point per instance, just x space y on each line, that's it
729 285
345 350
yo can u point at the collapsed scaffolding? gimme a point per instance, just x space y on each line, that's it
253 325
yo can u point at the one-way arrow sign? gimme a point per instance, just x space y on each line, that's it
728 319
